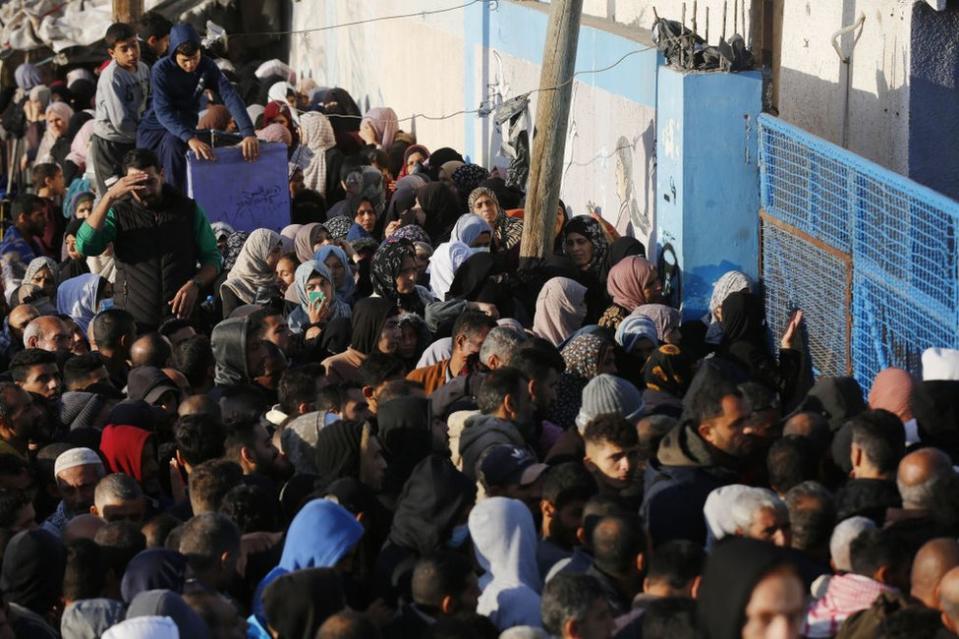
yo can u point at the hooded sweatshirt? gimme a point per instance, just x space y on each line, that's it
229 350
482 432
33 566
90 618
176 94
504 538
77 297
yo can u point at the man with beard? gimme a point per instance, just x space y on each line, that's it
21 420
77 472
158 236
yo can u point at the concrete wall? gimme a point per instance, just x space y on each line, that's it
450 62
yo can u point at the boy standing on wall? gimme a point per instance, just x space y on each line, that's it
178 83
122 93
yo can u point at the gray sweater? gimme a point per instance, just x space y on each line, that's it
121 101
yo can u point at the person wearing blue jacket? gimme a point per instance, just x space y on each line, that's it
178 81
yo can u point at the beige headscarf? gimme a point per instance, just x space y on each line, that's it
316 133
560 309
251 270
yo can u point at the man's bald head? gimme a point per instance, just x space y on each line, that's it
20 316
812 426
934 559
919 473
151 349
199 405
47 332
949 600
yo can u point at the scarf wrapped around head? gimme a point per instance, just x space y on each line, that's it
666 318
633 329
583 354
592 231
81 144
410 150
338 227
560 309
628 280
299 319
41 94
412 232
27 76
441 207
275 133
731 282
251 270
384 123
35 265
365 184
468 228
468 177
444 263
318 136
304 240
509 230
387 264
344 292
892 391
669 370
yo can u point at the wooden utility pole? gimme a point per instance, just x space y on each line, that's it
127 10
552 118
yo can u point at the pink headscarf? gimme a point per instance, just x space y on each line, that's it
275 133
628 279
385 123
891 391
80 145
560 309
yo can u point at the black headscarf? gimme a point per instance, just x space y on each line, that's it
669 370
404 432
732 571
743 318
471 277
624 247
385 268
935 405
838 399
432 499
33 566
441 156
442 209
369 316
298 603
338 452
345 105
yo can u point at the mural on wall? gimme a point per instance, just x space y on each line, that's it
630 212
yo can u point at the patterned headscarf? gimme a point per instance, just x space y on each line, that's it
318 136
338 227
468 177
251 270
729 283
412 232
234 244
592 231
665 318
628 281
582 355
669 370
275 133
509 230
386 265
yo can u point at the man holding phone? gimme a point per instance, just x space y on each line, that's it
159 236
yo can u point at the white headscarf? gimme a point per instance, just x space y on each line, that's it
446 260
251 271
277 93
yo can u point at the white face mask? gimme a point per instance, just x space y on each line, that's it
481 249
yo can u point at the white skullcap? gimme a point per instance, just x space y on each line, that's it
940 364
76 457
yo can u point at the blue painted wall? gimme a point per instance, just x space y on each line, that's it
707 181
934 98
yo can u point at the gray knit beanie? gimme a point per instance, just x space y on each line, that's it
609 395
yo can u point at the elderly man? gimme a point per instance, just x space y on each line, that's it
758 513
47 332
77 472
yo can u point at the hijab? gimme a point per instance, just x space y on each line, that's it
509 230
228 341
27 76
297 604
441 207
275 133
81 144
560 309
339 104
216 118
592 231
369 317
730 282
410 150
634 328
891 391
444 264
622 248
33 566
583 354
36 265
412 232
468 228
344 292
743 319
299 319
338 227
365 183
41 94
628 279
669 370
385 268
77 297
122 447
61 109
384 123
666 318
404 432
317 135
304 241
473 278
467 177
251 270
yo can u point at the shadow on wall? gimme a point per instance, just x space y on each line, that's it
934 109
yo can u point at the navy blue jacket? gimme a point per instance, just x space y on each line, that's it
176 94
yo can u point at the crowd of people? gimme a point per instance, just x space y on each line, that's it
380 422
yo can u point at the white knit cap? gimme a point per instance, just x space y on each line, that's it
940 364
76 457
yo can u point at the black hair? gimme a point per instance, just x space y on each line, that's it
298 386
194 358
117 32
874 548
567 482
119 541
670 618
617 540
348 624
22 362
111 325
496 386
332 398
187 48
704 399
26 204
172 325
611 428
211 481
790 461
84 576
439 575
80 367
677 562
536 363
153 25
471 323
396 388
351 164
140 159
12 465
199 438
252 508
568 597
43 171
812 515
240 434
379 367
206 537
11 503
881 437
